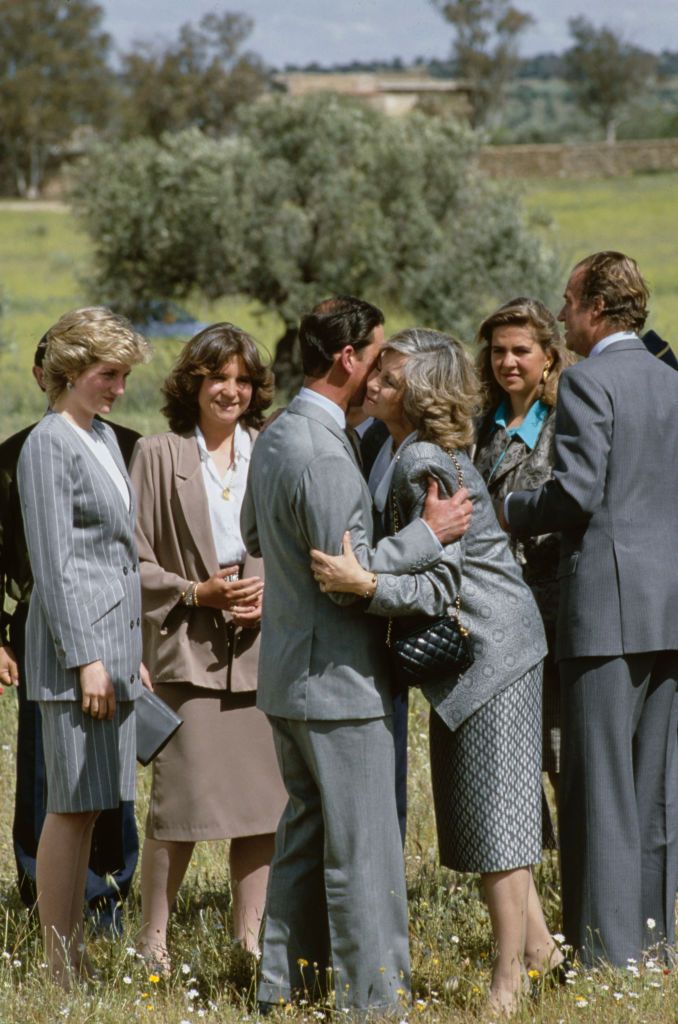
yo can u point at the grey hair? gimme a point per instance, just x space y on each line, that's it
441 389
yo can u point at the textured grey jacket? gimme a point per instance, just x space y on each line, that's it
614 497
497 607
520 469
86 601
321 656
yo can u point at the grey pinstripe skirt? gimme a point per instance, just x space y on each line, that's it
89 764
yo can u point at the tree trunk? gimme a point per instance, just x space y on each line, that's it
35 171
287 361
611 132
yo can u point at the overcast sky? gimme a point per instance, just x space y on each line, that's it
338 31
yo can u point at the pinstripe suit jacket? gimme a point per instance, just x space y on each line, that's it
614 496
86 601
321 656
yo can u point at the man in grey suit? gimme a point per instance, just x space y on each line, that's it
336 897
614 496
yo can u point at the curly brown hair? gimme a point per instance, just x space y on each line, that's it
204 355
616 279
522 312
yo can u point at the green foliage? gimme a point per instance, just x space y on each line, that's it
605 72
485 48
53 78
313 196
196 81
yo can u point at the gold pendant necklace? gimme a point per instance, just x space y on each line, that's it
227 482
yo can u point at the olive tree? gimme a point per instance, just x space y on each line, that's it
311 197
605 73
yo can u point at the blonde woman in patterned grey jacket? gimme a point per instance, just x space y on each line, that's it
519 365
485 726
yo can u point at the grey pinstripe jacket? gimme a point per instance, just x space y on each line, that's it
614 496
321 656
86 602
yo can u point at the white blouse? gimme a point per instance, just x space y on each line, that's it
102 454
225 496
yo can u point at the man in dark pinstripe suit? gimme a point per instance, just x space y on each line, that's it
614 496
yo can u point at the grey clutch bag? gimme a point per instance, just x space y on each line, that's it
156 724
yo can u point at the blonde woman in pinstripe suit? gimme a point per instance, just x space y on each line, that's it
82 635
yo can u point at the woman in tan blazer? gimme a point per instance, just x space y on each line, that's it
218 777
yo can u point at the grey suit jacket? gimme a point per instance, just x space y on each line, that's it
614 497
321 656
497 607
86 601
174 537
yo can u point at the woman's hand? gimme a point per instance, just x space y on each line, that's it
145 677
219 592
343 573
247 615
98 695
9 670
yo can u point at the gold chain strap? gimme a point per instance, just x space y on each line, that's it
396 529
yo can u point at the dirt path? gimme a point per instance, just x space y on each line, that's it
29 205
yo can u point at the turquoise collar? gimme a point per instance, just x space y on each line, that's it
530 429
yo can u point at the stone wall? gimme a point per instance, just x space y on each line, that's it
589 160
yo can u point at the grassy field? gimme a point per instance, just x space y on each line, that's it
43 260
637 215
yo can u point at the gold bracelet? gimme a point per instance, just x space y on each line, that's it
372 583
196 602
187 595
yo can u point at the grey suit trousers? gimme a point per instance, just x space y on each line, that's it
619 803
336 894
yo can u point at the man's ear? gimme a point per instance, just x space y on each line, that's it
347 358
597 306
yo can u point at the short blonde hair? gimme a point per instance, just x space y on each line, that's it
441 391
85 336
534 315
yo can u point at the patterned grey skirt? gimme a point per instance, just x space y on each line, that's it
486 779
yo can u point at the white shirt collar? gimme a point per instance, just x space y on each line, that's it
242 444
610 340
335 411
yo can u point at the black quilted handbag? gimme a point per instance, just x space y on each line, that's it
438 650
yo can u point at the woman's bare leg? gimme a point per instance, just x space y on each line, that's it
541 952
506 894
249 858
163 866
64 846
79 959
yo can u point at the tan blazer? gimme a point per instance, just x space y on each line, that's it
174 538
